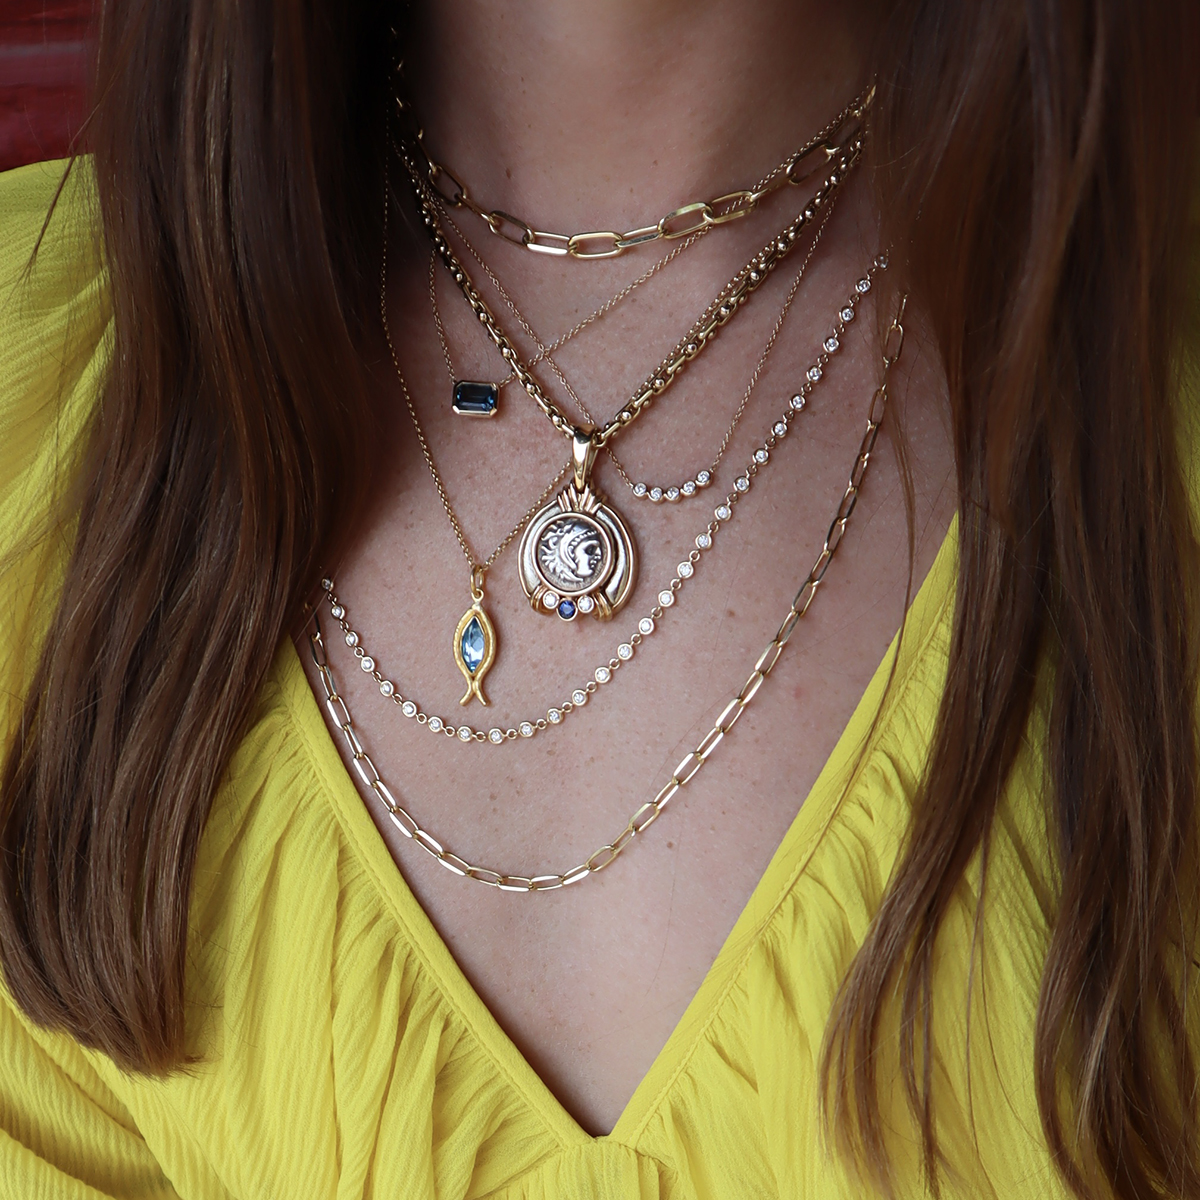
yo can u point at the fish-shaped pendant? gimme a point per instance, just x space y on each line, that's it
475 647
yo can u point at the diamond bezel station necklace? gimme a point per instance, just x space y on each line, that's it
694 760
723 513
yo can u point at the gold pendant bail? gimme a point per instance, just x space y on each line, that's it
584 448
477 577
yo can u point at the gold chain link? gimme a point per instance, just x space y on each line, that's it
691 763
684 221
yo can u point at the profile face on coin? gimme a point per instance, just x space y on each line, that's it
573 554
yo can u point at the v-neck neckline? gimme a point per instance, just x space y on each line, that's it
791 858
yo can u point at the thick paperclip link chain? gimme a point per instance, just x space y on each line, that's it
718 314
690 765
679 222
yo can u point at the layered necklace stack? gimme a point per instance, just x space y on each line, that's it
577 555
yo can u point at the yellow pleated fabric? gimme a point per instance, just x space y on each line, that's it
341 1052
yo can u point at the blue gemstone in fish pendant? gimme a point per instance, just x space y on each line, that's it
475 648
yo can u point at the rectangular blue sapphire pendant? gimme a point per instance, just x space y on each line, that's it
473 399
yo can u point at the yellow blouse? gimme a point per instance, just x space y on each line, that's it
341 1052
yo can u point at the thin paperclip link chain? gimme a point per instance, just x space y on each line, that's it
562 339
654 493
478 567
625 652
691 763
680 222
748 281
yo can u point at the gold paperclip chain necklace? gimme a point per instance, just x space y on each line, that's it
690 765
680 222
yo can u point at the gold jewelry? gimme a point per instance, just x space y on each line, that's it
642 491
475 642
576 554
626 651
544 351
680 222
690 765
718 314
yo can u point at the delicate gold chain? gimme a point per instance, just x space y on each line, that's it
478 567
680 222
545 353
718 314
691 763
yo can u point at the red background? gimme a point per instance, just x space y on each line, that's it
43 70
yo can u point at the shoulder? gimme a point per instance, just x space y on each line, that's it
54 323
52 307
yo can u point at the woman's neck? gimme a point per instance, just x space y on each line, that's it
577 114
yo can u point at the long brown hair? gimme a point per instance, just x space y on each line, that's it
1033 166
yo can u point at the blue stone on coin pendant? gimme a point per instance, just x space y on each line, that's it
475 399
566 610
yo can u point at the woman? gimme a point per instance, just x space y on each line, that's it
922 924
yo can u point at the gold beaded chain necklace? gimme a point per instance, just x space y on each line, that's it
694 760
